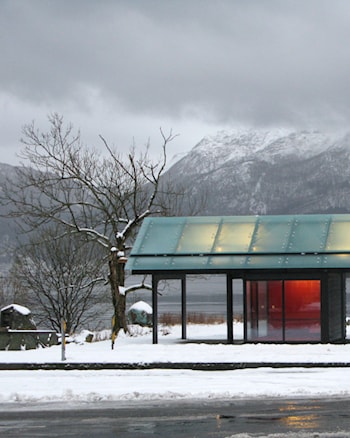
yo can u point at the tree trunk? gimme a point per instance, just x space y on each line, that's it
117 281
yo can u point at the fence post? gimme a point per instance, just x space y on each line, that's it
63 339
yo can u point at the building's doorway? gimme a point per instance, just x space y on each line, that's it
283 310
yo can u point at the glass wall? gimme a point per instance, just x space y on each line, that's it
283 310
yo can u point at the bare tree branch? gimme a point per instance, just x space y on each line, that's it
60 278
104 198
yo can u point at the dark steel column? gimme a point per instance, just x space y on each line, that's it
343 304
229 305
183 307
245 311
155 309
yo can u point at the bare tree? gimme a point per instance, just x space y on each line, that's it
6 295
11 290
59 277
105 198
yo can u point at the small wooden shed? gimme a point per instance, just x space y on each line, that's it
293 269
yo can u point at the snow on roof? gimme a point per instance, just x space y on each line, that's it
141 306
20 309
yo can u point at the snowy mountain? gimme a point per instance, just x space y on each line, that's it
8 234
251 172
267 172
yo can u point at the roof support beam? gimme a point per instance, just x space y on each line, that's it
229 307
155 281
184 307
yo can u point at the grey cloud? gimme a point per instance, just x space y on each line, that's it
258 61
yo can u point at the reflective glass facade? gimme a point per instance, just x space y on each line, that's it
283 310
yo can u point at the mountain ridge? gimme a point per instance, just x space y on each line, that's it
267 172
248 171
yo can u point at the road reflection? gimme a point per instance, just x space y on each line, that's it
272 418
302 420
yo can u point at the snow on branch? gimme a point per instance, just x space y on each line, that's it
137 287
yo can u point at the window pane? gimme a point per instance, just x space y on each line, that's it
264 310
275 311
302 310
283 310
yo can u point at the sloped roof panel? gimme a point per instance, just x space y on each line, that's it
242 242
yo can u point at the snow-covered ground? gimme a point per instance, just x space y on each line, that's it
89 386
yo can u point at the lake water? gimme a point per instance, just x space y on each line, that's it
205 294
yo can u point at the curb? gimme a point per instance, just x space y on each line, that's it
200 366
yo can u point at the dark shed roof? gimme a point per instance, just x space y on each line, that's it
241 242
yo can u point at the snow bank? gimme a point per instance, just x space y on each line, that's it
90 386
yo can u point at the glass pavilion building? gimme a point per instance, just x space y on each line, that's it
293 269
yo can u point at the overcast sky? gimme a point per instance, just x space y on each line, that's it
124 69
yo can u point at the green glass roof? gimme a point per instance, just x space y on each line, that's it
241 242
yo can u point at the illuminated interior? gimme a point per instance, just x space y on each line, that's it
301 251
283 310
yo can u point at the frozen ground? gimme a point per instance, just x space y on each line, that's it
90 386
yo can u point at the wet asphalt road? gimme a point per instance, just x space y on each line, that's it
224 418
